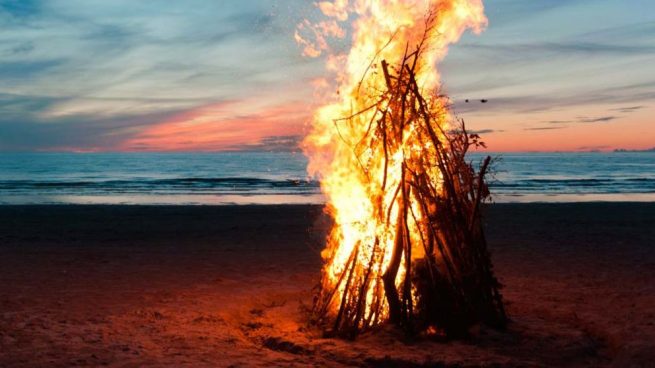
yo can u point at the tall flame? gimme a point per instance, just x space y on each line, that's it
353 177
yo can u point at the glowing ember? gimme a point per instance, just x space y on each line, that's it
380 147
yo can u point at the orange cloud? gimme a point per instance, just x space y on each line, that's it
223 126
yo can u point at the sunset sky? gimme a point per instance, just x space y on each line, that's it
125 75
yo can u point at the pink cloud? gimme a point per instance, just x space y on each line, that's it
222 126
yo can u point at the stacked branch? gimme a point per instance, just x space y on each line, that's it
439 273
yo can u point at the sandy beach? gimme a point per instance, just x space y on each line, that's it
228 286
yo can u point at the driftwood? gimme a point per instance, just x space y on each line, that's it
451 287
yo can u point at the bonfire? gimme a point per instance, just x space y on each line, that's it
407 246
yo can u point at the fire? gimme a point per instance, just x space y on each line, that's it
361 178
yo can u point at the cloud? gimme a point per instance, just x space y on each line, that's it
98 74
539 103
563 124
19 8
504 12
535 50
89 66
558 121
627 110
216 127
485 131
24 127
285 143
16 49
72 134
21 70
540 56
545 128
16 107
601 119
594 148
633 30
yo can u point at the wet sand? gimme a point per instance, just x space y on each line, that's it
134 286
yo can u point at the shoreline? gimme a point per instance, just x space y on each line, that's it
113 285
291 199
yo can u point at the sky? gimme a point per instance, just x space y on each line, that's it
205 75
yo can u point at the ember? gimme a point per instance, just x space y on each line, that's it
408 245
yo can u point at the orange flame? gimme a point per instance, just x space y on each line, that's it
350 168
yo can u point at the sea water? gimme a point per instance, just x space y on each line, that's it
279 178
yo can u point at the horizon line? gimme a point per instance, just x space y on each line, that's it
616 150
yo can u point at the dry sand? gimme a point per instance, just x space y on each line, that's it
225 286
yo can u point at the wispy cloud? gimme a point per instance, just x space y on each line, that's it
558 121
215 127
544 128
535 103
285 143
538 50
627 110
540 56
19 8
563 124
485 131
88 67
600 119
594 148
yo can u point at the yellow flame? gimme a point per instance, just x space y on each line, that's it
351 171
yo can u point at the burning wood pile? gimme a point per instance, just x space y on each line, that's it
408 245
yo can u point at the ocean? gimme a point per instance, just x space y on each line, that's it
279 178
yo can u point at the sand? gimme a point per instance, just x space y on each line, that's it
135 286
